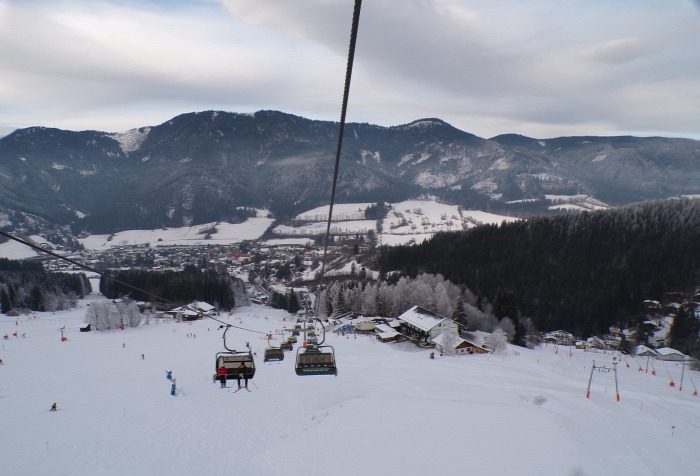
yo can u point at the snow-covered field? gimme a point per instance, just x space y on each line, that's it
220 233
410 221
391 409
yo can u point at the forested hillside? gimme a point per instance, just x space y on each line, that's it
204 167
179 287
28 286
578 271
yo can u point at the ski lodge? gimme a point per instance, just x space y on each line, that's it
423 325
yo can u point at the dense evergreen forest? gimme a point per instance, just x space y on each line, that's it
27 285
581 271
179 287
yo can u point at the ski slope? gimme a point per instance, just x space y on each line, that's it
391 410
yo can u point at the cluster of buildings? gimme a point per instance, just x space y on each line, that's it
426 329
612 342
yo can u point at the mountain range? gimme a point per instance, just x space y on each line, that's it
212 166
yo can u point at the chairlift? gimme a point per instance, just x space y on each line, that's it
237 363
286 345
272 353
316 359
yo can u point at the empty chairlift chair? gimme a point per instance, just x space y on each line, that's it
286 345
316 360
273 354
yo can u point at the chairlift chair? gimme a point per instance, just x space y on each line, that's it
286 345
232 362
273 354
316 360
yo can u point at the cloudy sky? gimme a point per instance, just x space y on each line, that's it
542 68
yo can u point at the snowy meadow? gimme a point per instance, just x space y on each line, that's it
390 410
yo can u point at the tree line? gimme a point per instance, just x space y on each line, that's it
580 271
26 285
393 296
177 287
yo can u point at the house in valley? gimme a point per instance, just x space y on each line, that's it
453 344
424 326
559 337
667 353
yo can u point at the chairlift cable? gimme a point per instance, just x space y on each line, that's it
341 129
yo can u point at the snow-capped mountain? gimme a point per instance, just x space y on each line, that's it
203 167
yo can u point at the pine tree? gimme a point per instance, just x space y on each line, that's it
37 299
293 303
459 315
683 334
5 304
339 306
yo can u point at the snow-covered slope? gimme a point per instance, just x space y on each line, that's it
391 410
410 221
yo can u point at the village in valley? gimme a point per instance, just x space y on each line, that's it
288 260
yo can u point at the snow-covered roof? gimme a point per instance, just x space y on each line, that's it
440 340
388 335
364 326
421 318
668 351
202 306
477 338
642 349
182 310
384 328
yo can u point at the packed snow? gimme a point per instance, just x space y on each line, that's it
391 409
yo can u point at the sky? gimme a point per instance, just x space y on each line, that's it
390 410
541 68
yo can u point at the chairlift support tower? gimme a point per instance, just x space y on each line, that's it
603 368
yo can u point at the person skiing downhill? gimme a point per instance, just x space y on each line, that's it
54 407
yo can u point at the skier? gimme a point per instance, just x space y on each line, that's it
169 374
242 375
223 372
54 407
